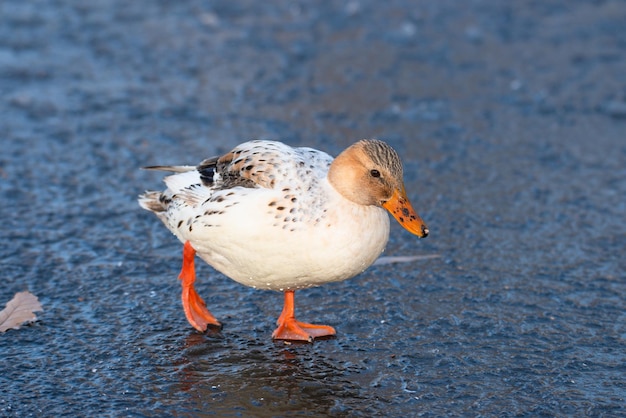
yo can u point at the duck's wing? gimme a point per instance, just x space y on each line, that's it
254 164
257 164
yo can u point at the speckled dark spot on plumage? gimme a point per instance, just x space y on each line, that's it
232 179
292 210
272 204
293 199
190 228
180 223
213 212
280 208
164 199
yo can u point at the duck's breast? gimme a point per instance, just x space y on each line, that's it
260 238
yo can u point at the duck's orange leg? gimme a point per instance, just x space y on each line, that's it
290 329
195 309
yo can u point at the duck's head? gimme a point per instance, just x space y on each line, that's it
370 173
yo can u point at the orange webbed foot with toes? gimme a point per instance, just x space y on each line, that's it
195 308
291 329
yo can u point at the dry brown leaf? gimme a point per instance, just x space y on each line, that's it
403 259
19 310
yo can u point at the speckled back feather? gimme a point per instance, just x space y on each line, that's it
254 164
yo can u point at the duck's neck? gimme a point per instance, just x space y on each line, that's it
343 175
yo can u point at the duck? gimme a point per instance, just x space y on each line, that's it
271 216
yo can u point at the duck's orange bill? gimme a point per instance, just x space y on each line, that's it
401 209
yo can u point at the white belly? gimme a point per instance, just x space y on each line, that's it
255 252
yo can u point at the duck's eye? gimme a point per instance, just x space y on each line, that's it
375 173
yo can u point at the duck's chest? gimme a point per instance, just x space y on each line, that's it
296 246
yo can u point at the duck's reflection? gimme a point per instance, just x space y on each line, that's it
260 378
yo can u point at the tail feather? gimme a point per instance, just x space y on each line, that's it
171 168
152 201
